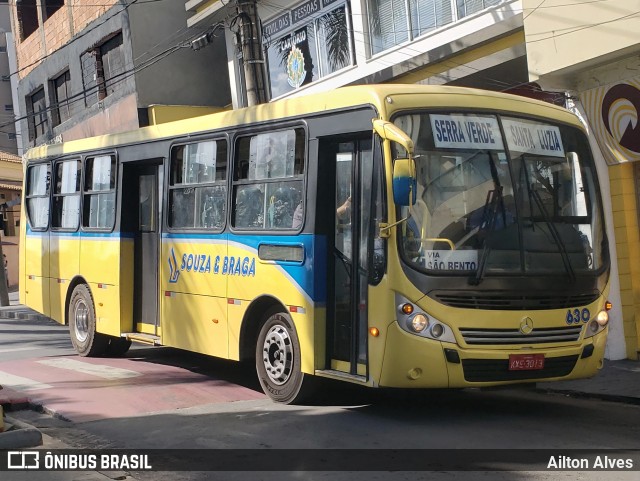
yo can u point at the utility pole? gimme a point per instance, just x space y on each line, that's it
252 54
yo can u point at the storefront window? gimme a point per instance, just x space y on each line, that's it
392 22
318 45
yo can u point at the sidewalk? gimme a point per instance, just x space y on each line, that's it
15 310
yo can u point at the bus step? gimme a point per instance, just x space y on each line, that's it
345 376
144 338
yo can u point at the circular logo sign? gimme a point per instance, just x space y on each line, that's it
620 112
296 72
526 325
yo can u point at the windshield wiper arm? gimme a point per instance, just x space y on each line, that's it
555 234
494 199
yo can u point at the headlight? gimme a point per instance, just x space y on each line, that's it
415 321
602 318
437 330
419 322
597 324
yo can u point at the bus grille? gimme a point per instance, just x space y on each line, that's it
514 336
500 301
491 370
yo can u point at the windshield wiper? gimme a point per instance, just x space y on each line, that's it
493 203
494 199
555 234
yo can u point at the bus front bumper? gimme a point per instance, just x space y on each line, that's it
411 361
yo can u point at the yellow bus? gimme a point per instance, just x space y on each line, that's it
391 236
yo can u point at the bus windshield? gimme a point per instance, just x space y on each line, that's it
501 195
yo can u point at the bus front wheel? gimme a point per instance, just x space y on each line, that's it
82 324
278 359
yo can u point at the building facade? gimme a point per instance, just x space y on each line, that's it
88 68
317 45
10 192
8 135
590 52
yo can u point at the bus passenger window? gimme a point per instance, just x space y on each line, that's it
197 186
39 179
268 185
99 192
249 206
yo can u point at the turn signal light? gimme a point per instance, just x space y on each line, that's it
608 306
406 308
374 331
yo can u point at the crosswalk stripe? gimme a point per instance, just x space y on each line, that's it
14 349
21 383
100 370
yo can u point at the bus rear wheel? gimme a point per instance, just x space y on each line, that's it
82 324
278 359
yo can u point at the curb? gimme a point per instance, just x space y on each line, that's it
21 435
591 395
22 314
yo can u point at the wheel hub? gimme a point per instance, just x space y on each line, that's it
81 321
277 354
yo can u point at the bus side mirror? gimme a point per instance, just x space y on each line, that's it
404 182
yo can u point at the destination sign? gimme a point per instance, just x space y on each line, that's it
533 138
457 131
446 260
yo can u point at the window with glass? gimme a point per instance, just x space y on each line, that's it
487 203
66 195
37 114
317 45
268 181
392 22
198 186
61 95
99 208
38 185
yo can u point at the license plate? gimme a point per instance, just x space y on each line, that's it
526 362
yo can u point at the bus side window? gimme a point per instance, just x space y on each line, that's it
268 180
197 187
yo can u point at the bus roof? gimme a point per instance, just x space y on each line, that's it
402 97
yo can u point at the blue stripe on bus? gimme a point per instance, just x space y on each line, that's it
310 276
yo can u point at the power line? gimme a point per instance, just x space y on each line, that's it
84 32
112 80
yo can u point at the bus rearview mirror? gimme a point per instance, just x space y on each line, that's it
404 182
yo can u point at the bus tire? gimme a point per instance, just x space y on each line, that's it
118 346
82 324
278 359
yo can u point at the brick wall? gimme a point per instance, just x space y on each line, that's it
29 51
58 30
625 220
86 11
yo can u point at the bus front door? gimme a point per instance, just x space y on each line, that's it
348 254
